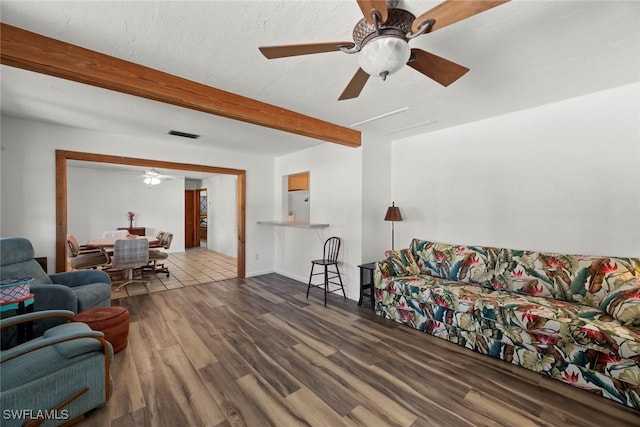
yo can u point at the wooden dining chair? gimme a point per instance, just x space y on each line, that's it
83 257
330 270
159 238
156 255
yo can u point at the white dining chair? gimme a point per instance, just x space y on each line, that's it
129 254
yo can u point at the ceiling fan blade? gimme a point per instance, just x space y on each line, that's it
271 52
355 86
452 11
366 6
439 69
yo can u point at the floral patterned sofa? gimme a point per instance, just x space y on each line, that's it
575 318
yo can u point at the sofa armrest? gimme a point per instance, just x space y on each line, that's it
382 271
81 277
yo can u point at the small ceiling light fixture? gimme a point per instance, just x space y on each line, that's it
384 47
151 177
384 55
152 180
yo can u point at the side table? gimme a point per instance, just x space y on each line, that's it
366 272
21 306
136 231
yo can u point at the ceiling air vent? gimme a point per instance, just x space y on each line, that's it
184 134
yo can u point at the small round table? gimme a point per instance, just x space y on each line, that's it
113 322
21 306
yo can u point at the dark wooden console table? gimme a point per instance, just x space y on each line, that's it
138 231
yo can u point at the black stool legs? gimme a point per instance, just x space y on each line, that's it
328 277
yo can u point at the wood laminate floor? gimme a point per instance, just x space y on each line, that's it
256 352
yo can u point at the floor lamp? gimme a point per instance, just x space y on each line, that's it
393 215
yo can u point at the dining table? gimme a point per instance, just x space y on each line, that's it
110 242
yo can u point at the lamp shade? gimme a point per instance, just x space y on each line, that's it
384 55
393 213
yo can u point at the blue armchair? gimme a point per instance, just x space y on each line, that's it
75 291
56 377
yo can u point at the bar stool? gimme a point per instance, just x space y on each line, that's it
329 259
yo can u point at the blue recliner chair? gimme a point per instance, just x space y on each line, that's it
75 291
55 378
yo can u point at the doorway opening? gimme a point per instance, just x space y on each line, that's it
202 217
196 207
63 156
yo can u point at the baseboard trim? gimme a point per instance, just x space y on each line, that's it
303 280
259 272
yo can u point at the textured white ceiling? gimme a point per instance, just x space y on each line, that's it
521 54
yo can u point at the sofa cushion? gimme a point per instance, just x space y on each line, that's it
402 262
579 278
473 264
534 273
458 296
543 321
584 325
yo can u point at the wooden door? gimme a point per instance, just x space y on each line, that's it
191 221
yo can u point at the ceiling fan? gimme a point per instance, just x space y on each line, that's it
151 177
382 41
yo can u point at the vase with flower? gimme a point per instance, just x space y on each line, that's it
131 215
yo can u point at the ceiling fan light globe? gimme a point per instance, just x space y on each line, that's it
152 180
383 56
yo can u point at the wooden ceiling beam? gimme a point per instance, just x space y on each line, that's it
34 52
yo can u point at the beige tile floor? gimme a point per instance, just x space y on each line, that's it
192 267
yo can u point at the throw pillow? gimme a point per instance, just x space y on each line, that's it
402 262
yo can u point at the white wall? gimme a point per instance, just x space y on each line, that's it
192 184
335 198
376 197
562 177
99 199
28 180
222 232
